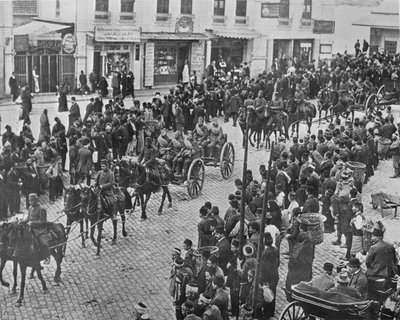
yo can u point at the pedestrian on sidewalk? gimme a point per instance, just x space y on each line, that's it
14 89
74 113
93 79
83 82
62 96
395 151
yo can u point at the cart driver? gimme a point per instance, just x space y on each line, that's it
200 132
148 157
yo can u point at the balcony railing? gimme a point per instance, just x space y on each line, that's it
219 19
243 21
102 16
127 16
307 23
163 17
285 22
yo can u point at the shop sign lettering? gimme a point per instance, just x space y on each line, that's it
116 34
69 43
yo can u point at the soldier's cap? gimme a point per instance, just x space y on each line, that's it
33 197
328 266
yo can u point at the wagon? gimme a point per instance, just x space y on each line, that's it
309 303
225 161
388 94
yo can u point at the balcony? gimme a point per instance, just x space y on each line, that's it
219 20
163 18
242 21
306 23
127 17
285 22
102 16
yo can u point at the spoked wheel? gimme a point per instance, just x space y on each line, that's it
227 160
371 104
195 179
381 92
294 311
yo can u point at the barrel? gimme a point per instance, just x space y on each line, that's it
315 226
358 169
383 146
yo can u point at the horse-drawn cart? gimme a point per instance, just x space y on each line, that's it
195 178
388 93
310 303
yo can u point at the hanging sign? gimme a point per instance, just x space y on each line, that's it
69 43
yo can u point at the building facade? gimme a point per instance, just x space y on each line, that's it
154 38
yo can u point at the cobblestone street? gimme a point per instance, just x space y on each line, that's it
137 268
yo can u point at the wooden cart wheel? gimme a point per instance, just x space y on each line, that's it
195 179
227 160
381 92
293 311
370 104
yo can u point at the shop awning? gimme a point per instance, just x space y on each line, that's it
379 20
236 34
39 27
173 36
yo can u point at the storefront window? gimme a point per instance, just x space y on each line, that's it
165 61
127 6
284 9
241 6
117 61
307 9
219 7
186 6
162 6
102 5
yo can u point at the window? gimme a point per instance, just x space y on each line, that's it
57 8
102 5
186 6
241 8
127 6
307 9
219 7
162 6
284 9
391 47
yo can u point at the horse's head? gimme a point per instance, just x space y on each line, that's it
138 174
11 236
72 198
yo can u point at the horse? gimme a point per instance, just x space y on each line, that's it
296 116
344 106
18 244
96 208
142 188
326 99
72 209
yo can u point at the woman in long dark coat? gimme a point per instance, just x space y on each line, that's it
103 87
269 272
300 261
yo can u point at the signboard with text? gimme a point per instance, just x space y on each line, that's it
322 26
116 34
270 10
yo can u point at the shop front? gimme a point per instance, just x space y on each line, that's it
300 48
115 49
44 55
165 58
228 49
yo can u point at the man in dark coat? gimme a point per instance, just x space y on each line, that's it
224 249
235 103
83 82
12 82
13 190
74 113
380 262
93 79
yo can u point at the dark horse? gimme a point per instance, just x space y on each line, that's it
296 116
260 127
327 98
19 244
142 187
96 208
72 209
